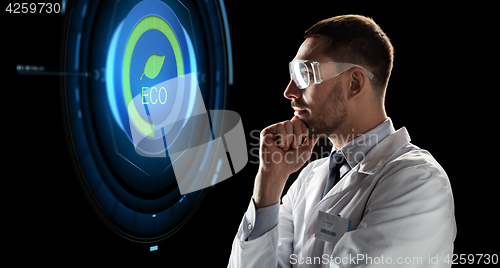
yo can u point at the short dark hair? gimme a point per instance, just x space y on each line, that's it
357 39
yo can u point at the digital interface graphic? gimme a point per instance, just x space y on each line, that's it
144 97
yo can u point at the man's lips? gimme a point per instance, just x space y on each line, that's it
299 111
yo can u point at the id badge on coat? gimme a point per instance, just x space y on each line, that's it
331 228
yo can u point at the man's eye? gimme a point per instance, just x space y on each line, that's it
307 74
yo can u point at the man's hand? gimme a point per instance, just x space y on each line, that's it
282 152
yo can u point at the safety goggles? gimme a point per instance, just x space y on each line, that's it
303 72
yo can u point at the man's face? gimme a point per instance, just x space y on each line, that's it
323 107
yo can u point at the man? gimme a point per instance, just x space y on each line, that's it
377 200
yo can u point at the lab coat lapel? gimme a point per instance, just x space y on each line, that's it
314 188
328 204
383 151
314 200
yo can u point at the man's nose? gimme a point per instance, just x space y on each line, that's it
292 91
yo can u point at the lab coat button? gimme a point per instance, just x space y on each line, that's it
249 226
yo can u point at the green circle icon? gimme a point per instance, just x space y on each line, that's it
148 23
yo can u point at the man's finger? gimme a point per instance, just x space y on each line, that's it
297 133
300 130
280 136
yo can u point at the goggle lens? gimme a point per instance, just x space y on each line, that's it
300 73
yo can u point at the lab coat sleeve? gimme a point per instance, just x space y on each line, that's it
273 248
409 217
259 252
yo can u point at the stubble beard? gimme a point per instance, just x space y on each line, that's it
329 119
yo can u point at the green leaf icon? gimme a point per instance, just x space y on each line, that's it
153 66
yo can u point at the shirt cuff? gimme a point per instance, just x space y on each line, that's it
258 222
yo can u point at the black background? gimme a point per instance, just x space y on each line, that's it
441 90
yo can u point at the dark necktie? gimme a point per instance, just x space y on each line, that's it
337 160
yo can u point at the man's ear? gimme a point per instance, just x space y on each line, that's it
357 83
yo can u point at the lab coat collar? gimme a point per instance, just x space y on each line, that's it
355 150
377 156
381 152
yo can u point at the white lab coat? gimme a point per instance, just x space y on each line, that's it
398 199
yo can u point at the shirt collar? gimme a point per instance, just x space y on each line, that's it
355 150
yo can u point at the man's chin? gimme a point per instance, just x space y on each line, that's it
312 130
